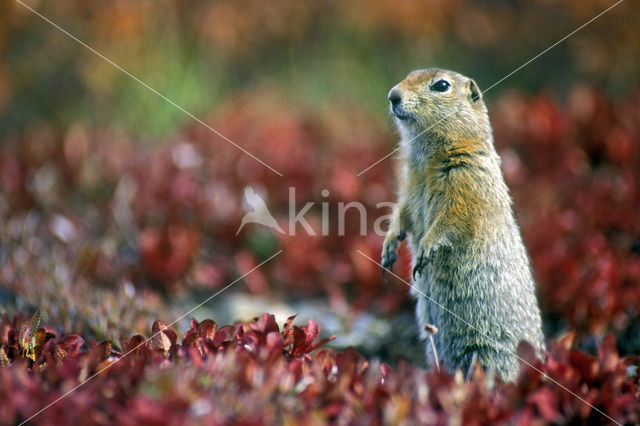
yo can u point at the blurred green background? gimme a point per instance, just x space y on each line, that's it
317 53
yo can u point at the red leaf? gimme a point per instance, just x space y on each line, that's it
274 342
134 344
160 338
207 329
608 354
194 323
287 330
67 347
222 335
266 324
545 401
302 342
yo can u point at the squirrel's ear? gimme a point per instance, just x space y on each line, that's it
474 92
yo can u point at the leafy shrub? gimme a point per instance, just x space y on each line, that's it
574 174
260 374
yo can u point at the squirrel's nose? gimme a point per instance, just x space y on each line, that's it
394 97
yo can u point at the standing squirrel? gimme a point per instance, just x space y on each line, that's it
455 206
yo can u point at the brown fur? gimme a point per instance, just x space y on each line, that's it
455 206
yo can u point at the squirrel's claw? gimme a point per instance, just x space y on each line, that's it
424 257
417 270
389 255
388 259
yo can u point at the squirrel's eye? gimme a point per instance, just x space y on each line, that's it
441 86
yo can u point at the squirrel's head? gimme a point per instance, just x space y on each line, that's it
439 101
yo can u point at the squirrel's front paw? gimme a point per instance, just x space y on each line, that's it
426 253
389 251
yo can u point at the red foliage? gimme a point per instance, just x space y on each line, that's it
575 178
168 253
257 373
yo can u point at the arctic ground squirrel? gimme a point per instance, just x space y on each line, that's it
454 205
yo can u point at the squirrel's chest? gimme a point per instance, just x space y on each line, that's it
421 205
